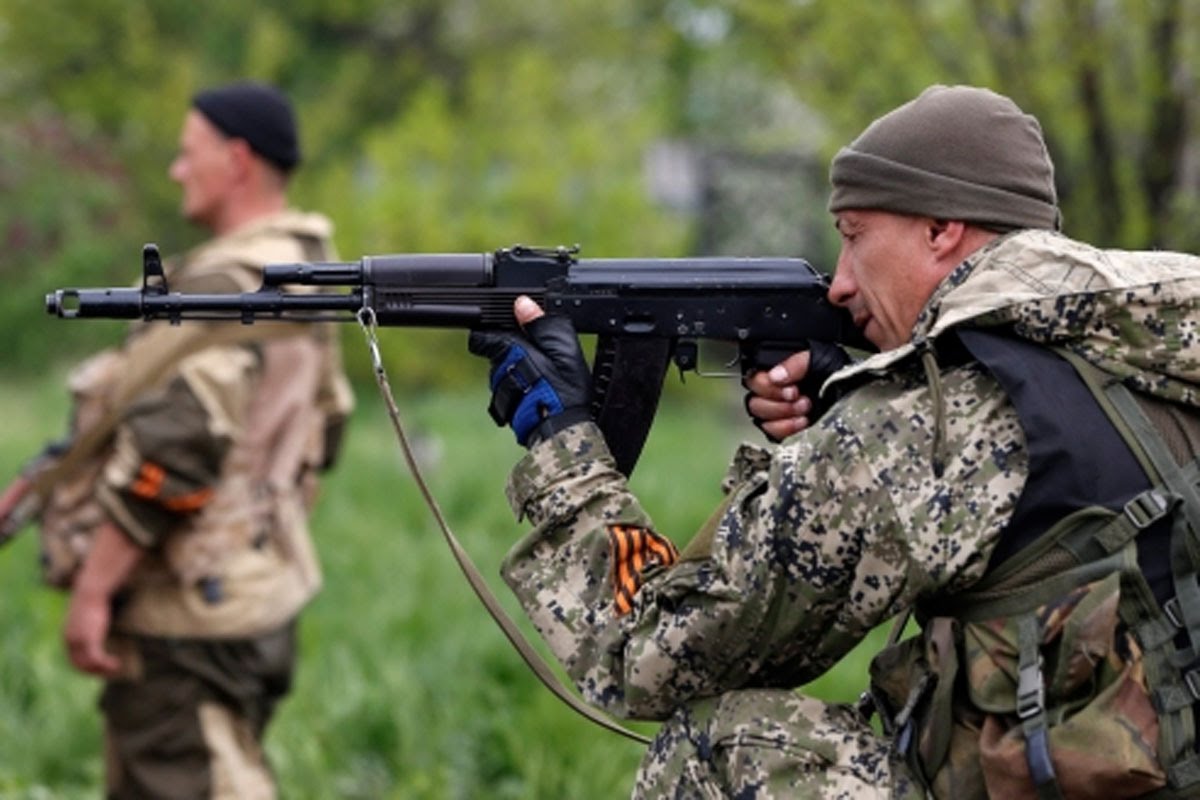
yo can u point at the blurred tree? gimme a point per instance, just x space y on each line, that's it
1114 83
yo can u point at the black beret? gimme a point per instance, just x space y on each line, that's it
258 113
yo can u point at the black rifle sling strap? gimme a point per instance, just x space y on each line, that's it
531 657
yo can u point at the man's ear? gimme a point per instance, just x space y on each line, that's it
944 236
243 156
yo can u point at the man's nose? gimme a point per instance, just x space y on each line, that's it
842 288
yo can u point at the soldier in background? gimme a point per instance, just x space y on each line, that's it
1016 466
179 521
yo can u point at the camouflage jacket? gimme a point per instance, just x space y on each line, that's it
822 538
209 463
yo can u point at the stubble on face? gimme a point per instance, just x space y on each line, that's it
202 169
887 272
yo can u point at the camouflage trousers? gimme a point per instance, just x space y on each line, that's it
763 744
188 719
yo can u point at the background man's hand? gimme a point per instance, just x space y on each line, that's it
10 501
85 632
111 559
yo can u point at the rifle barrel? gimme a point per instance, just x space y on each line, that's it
137 304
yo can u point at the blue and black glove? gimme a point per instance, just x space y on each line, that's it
540 380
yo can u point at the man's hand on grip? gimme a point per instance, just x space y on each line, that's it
783 400
539 379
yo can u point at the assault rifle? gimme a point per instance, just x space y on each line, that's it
646 312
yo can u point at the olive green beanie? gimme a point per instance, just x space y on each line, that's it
955 152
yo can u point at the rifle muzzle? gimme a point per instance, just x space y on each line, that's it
101 303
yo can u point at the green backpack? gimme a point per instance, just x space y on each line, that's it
1059 674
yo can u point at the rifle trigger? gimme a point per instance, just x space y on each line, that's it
686 356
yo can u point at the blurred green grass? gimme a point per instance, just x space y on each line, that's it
406 688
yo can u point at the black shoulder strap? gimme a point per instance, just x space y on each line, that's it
1077 458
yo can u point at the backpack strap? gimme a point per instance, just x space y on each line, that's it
1031 708
140 377
1169 634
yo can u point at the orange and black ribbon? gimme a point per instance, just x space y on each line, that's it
149 486
634 550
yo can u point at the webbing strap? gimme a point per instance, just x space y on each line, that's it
142 376
1181 482
1031 708
1152 628
1173 697
1184 772
533 659
1156 626
1154 632
1177 691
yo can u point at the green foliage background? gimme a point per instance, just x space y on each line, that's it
406 689
466 125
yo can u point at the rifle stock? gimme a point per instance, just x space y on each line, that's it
646 312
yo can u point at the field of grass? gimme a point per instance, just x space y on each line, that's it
406 688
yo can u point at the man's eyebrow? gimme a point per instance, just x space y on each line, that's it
843 225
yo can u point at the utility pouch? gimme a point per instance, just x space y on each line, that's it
1049 702
912 685
1063 694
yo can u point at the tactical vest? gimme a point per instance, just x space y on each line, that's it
1071 668
244 563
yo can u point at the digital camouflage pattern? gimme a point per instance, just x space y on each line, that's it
836 530
765 605
767 743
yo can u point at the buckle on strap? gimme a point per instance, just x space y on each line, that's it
1148 507
1191 679
1031 690
1174 612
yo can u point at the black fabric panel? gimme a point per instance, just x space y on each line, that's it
1076 457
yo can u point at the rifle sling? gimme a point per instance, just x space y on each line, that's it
141 376
531 657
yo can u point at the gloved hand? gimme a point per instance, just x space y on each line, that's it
783 399
824 360
540 380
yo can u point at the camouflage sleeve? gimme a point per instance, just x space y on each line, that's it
171 443
817 542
